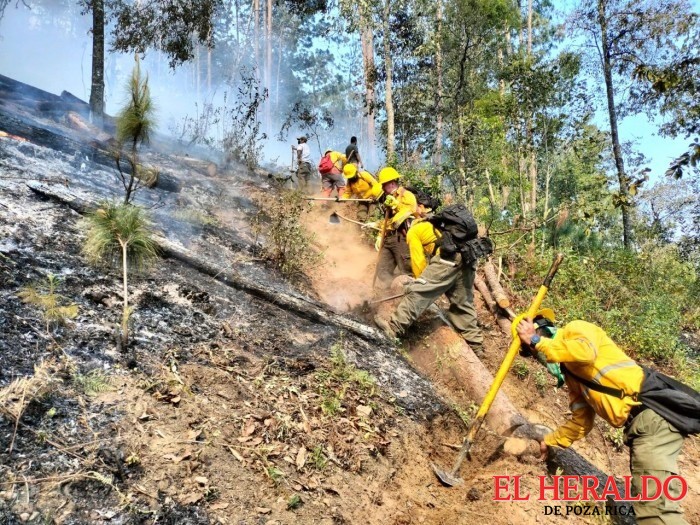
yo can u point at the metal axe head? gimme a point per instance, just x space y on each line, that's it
334 219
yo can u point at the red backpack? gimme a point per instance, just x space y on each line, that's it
326 165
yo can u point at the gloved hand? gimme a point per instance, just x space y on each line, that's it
391 202
370 225
378 242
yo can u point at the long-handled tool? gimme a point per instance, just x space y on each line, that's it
451 477
336 200
335 219
291 166
382 237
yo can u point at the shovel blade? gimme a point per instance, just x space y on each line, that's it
446 477
334 219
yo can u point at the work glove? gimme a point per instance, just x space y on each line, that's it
370 225
391 202
378 242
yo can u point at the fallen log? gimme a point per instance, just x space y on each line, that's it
444 357
298 304
483 289
57 141
497 290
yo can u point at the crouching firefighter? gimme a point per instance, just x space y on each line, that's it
655 410
450 239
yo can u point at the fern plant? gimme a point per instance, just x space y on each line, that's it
44 296
120 235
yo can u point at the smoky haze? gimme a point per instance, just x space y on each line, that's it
51 48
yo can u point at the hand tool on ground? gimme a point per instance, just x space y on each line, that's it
336 200
388 298
335 219
451 477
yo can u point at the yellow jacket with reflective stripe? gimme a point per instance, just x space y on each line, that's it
589 353
406 206
364 186
421 239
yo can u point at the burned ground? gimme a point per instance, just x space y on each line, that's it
226 408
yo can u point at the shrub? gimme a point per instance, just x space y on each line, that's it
289 244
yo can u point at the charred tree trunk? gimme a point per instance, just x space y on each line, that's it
97 89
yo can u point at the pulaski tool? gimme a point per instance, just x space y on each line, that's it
451 477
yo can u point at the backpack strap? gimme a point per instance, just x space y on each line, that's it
614 392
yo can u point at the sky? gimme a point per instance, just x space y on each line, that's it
55 60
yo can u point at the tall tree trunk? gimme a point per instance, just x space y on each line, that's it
529 127
268 65
614 135
388 90
370 75
256 32
97 90
437 149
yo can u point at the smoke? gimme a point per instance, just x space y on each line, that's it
51 49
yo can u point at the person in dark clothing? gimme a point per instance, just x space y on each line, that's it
353 153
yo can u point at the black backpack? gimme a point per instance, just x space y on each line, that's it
425 198
460 234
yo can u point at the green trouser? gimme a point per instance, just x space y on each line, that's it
394 254
364 210
304 177
654 448
457 283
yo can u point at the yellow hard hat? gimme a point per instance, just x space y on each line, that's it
349 171
544 318
387 175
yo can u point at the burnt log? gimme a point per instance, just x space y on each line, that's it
57 141
298 304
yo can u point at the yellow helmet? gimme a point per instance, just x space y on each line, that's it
349 171
387 175
546 313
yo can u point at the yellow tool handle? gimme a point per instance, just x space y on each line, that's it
513 349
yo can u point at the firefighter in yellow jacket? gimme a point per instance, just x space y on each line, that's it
588 353
401 206
433 278
361 185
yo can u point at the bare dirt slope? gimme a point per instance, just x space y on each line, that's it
226 408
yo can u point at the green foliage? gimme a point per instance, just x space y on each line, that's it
520 369
641 300
135 123
43 295
135 120
541 381
92 383
615 436
113 228
318 458
335 383
294 502
288 245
